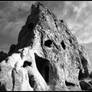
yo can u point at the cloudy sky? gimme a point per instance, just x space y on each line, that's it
77 15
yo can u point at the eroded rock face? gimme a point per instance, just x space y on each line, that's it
3 55
46 57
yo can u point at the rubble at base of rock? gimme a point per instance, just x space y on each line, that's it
47 57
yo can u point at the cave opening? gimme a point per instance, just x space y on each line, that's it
85 86
2 87
43 66
82 75
31 80
27 63
47 74
70 40
63 45
48 43
69 83
85 74
61 21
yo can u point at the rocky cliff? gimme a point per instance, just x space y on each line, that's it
47 57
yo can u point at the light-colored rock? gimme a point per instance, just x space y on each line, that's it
47 56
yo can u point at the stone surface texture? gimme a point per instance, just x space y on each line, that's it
47 57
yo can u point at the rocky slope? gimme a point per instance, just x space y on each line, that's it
46 57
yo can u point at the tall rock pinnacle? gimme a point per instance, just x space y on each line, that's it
47 57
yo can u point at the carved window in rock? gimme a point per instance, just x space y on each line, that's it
46 73
69 83
27 63
48 43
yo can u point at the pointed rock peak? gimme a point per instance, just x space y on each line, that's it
39 15
39 12
34 15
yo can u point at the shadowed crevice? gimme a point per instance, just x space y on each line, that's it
63 45
27 63
83 74
48 43
31 80
69 83
2 87
43 67
85 86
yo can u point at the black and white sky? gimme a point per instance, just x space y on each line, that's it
77 15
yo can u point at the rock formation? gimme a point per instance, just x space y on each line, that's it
3 55
47 57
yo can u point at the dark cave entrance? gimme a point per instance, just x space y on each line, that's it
63 45
46 73
43 65
2 87
85 74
